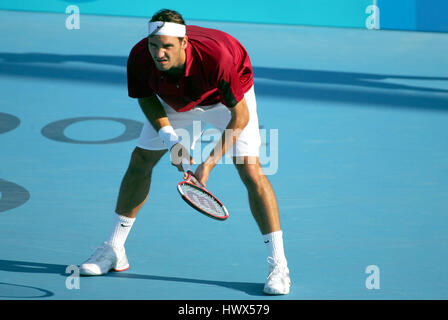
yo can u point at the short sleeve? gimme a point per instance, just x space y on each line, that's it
137 77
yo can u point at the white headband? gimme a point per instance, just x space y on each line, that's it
159 28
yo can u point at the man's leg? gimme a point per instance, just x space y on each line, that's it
136 182
262 200
264 208
132 195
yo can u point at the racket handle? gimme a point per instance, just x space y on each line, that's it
186 166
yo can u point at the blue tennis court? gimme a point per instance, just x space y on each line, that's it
355 126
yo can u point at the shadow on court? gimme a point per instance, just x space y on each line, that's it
250 288
350 87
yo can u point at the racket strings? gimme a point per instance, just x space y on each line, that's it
203 200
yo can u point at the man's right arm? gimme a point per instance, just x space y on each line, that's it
154 112
137 76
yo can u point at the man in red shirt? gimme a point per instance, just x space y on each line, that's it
181 74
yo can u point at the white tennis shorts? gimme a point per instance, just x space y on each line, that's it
190 126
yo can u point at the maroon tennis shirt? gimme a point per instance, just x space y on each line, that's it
217 69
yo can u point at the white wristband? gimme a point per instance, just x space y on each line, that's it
168 136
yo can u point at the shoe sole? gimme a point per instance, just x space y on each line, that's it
276 293
121 269
85 272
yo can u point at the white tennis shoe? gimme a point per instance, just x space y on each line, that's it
278 281
104 259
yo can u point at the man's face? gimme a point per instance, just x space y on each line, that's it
167 52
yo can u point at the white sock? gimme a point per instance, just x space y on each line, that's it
120 230
274 245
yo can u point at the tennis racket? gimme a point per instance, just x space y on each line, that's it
199 198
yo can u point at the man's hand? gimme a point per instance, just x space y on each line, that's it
238 121
202 173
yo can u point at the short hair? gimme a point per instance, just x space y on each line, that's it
167 15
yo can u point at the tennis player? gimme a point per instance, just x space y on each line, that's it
181 74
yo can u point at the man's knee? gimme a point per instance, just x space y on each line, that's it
250 171
142 159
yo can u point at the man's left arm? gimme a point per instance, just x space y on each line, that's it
238 121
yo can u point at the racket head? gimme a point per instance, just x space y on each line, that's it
200 199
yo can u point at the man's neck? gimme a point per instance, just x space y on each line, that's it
176 71
179 70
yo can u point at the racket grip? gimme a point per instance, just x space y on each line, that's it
186 166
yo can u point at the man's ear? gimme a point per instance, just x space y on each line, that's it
185 42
